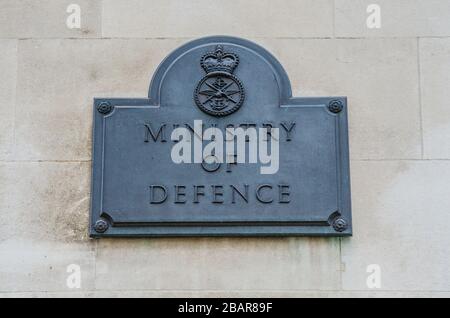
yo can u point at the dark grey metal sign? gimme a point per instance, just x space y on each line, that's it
221 84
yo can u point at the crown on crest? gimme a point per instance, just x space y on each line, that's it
220 61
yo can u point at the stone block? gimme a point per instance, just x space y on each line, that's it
380 79
198 18
58 80
218 264
399 18
8 69
400 211
47 19
435 83
39 267
44 202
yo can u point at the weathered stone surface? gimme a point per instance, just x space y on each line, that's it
226 294
218 264
399 18
435 83
400 214
47 19
271 294
8 69
44 202
39 266
58 80
381 85
384 124
180 18
400 206
44 221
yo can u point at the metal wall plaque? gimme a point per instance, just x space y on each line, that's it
220 83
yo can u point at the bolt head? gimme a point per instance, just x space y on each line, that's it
335 106
105 108
101 226
340 225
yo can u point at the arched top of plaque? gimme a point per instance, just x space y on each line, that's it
220 75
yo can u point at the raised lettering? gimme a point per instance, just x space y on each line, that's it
217 194
284 193
259 196
150 133
242 195
288 127
180 194
198 193
153 194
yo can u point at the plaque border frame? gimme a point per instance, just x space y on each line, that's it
339 223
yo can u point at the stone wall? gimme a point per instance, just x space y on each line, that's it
398 84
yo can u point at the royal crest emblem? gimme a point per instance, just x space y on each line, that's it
219 93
